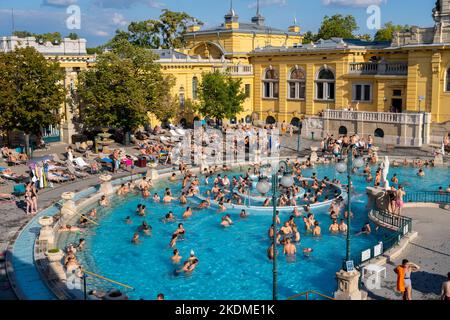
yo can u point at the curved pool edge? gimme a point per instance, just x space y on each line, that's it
26 279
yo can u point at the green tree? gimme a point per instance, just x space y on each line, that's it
338 26
22 34
73 36
221 96
95 50
309 37
52 37
167 32
31 92
387 32
364 37
124 86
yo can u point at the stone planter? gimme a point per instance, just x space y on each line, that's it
46 233
106 186
54 256
68 209
45 221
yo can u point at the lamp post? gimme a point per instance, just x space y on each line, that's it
341 167
299 136
263 186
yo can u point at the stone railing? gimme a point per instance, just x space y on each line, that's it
383 68
240 70
380 117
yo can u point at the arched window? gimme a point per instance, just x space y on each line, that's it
195 88
447 83
271 84
342 130
379 133
297 84
325 85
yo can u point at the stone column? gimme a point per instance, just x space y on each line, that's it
68 209
348 288
106 186
46 233
152 174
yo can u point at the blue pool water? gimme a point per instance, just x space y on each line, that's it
233 262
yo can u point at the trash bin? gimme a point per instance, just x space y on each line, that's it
142 162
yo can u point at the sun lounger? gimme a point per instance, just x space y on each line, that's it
57 159
53 177
81 164
7 197
175 134
181 132
73 171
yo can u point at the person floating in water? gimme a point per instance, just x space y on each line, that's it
226 221
366 229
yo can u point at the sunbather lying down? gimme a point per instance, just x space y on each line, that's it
59 176
5 196
7 173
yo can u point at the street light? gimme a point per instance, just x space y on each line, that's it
263 186
348 167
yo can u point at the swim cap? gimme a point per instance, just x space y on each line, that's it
192 253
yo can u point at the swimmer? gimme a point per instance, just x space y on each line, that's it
316 231
204 204
296 234
270 254
421 173
173 241
365 230
307 252
104 201
156 198
128 220
141 211
135 239
168 198
81 244
93 213
169 217
180 231
289 248
243 214
334 227
173 177
183 199
222 207
394 179
188 213
226 221
297 212
176 258
343 226
145 228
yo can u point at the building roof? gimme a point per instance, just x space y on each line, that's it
324 45
245 28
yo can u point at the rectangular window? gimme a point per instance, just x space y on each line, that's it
302 90
397 93
247 90
362 92
331 94
320 91
292 90
275 90
266 90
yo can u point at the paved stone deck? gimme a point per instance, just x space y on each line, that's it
430 250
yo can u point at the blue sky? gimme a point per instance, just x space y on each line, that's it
100 18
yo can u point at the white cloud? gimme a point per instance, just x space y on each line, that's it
100 33
119 20
353 3
125 4
58 3
268 3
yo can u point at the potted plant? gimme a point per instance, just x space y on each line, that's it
54 255
46 221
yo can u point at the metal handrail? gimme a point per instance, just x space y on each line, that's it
428 197
308 293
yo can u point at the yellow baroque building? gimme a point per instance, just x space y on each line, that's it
289 81
398 92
